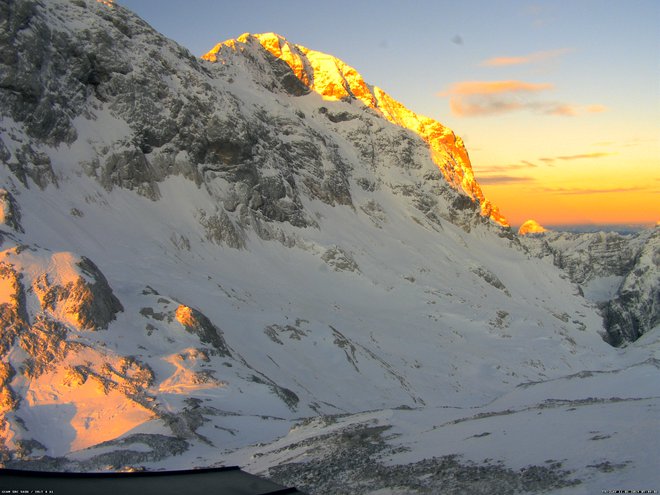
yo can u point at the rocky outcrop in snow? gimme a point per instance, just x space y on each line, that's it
46 300
195 322
89 305
10 213
58 290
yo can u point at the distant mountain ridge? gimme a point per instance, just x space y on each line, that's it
620 272
621 228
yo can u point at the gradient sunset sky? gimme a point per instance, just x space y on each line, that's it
558 102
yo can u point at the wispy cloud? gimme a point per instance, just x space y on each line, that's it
463 107
499 174
588 191
471 99
503 179
531 58
568 110
480 98
581 156
493 87
561 109
492 169
595 108
540 14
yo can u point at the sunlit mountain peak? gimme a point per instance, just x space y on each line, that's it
336 81
531 227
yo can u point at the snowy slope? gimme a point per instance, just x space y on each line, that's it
210 263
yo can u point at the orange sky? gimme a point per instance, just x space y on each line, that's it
519 203
599 182
598 165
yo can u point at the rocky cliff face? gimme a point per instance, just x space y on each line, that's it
621 273
635 308
336 81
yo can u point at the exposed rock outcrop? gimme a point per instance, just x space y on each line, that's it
196 323
89 305
10 213
339 260
47 298
621 273
636 307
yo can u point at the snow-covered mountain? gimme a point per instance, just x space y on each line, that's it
531 227
618 272
260 259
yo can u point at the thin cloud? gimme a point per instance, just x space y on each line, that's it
505 168
494 87
503 179
568 110
532 58
539 14
588 191
596 108
630 143
585 155
561 109
582 156
481 98
478 98
604 143
478 105
463 107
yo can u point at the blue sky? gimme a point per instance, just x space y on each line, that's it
577 124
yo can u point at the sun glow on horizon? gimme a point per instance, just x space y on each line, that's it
592 169
568 206
611 189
